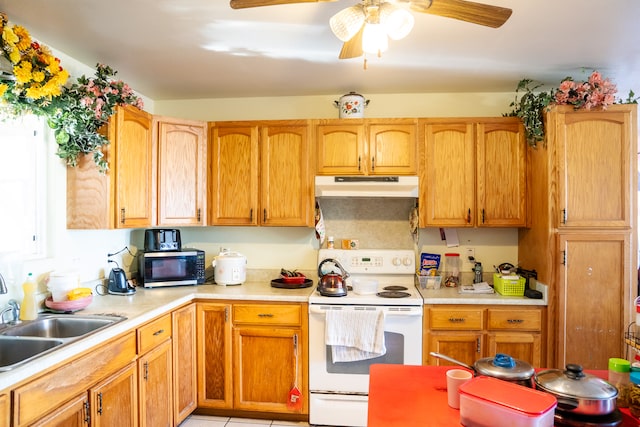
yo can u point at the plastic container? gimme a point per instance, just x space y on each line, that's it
619 377
61 282
429 282
364 287
490 402
509 285
29 307
331 243
634 395
452 269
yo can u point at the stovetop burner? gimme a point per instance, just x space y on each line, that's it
393 294
395 288
575 420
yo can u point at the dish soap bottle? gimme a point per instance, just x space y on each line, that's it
29 307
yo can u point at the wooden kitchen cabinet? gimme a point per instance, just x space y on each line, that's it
470 332
182 179
83 378
214 348
583 189
155 373
185 379
473 173
113 401
74 413
123 196
5 408
260 173
241 344
366 146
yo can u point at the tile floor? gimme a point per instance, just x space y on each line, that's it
209 421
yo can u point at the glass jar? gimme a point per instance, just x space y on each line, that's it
634 395
619 377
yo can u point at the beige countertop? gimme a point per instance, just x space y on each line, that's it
145 305
446 295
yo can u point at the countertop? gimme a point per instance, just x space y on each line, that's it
145 305
408 396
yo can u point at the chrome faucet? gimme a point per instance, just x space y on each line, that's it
14 309
3 285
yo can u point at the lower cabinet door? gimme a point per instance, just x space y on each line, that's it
72 414
463 346
114 401
156 387
519 345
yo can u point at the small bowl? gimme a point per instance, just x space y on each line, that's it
294 279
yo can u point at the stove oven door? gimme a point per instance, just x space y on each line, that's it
403 341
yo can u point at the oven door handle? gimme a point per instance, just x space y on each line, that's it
402 312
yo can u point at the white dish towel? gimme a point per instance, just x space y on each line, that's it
355 334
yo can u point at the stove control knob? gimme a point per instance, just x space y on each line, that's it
396 261
407 261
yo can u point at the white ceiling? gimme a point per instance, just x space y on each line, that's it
187 49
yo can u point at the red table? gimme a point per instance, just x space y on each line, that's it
407 396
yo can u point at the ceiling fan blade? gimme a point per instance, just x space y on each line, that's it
476 13
352 48
243 4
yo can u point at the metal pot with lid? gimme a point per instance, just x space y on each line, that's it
577 392
502 366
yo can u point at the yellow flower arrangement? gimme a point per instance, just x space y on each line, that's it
38 76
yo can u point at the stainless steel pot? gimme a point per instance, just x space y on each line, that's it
332 284
502 366
577 392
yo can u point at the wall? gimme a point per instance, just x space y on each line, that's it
375 223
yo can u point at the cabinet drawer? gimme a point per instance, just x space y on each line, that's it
456 318
527 320
265 314
152 334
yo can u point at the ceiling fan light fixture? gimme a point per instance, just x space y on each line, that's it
398 22
346 23
374 39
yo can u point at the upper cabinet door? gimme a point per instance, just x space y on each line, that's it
594 166
181 172
392 147
286 190
447 181
340 147
133 166
233 174
501 179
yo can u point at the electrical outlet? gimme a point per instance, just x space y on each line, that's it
471 255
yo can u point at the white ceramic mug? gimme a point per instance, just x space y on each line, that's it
455 378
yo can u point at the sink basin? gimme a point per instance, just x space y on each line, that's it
15 351
61 326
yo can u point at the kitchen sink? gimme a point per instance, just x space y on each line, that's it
25 341
61 326
16 351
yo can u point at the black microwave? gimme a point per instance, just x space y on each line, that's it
171 268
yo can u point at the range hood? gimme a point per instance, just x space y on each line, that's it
367 186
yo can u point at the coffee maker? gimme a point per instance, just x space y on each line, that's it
118 284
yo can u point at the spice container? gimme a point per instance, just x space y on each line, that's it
619 377
634 395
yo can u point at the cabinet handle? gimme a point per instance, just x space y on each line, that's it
251 215
469 216
478 345
483 216
99 403
564 216
199 215
146 371
373 163
87 417
456 319
226 314
564 258
122 216
359 161
265 315
515 321
264 216
158 332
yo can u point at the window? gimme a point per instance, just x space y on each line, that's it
22 184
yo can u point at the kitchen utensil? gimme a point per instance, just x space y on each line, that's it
118 284
351 105
162 239
502 366
229 268
294 402
332 284
577 392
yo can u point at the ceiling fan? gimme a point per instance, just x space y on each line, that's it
355 25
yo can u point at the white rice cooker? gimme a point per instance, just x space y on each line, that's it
229 268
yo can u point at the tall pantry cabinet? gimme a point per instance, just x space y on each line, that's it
582 237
